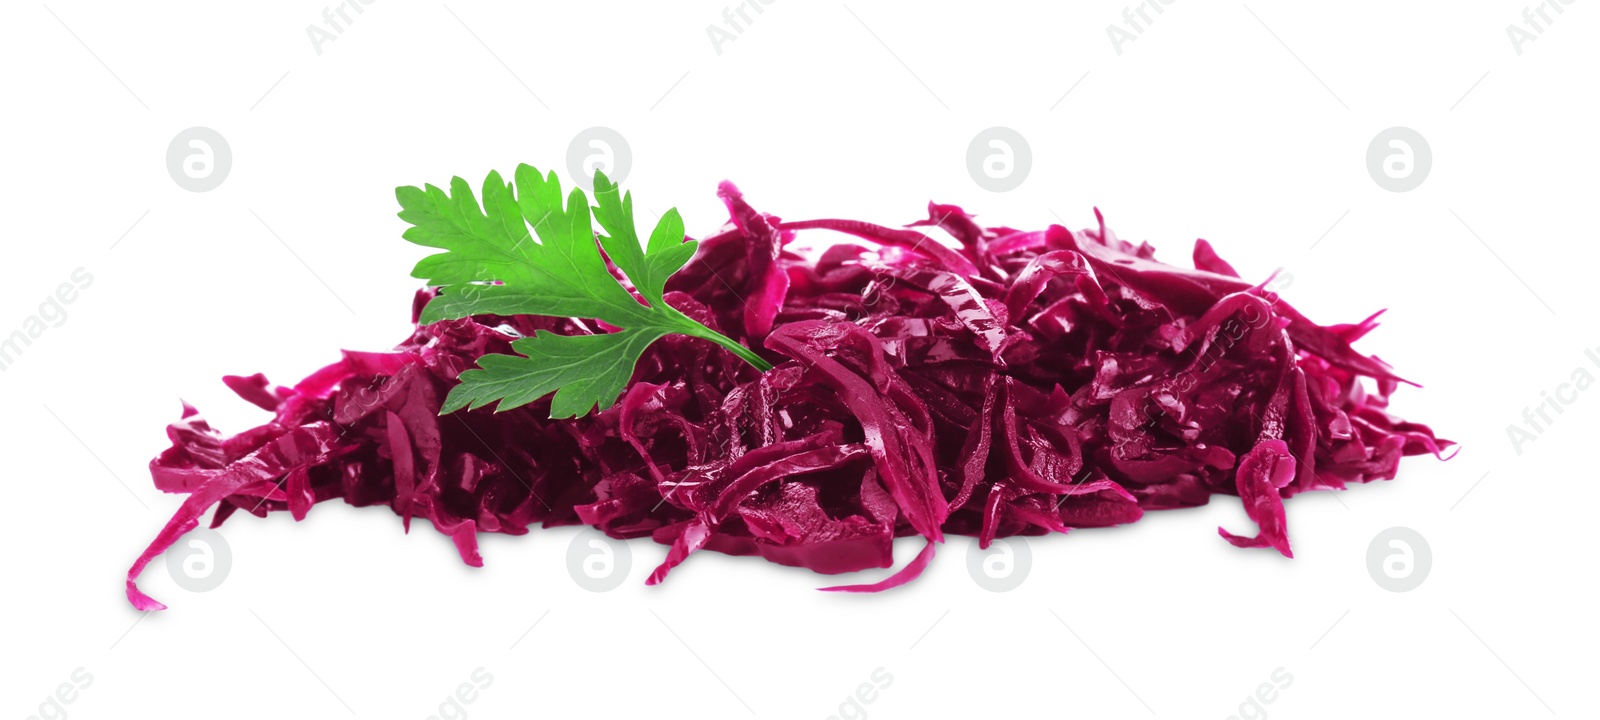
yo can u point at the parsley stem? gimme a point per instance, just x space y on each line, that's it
695 329
747 354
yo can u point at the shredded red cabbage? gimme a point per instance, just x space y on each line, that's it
1021 384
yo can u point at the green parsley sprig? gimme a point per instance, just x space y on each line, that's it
493 264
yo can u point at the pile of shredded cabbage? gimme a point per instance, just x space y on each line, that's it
1023 383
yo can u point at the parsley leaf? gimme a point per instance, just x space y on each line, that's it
492 264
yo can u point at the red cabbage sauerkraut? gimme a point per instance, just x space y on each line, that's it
1010 383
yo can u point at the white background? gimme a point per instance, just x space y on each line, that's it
1208 124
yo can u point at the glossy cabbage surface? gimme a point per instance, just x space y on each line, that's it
1011 382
